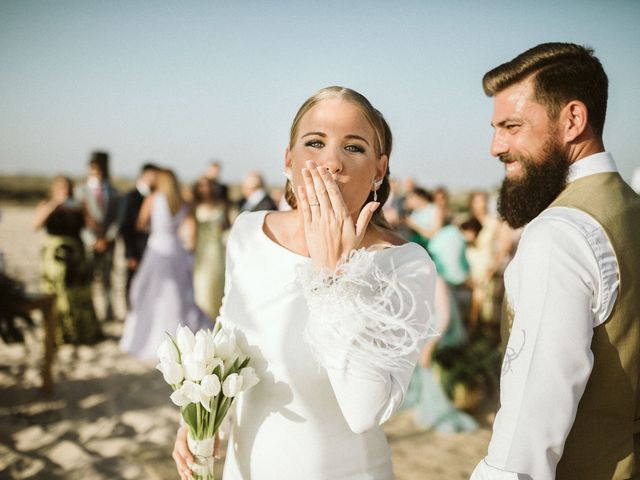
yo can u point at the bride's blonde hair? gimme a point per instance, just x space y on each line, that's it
383 144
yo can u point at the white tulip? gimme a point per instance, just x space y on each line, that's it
232 385
204 348
179 399
225 344
249 378
213 363
191 390
167 351
186 394
194 369
195 395
171 371
186 339
206 402
210 385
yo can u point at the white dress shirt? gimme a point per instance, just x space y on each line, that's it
561 284
254 199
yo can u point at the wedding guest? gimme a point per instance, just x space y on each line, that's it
213 173
255 197
391 208
441 199
400 202
569 388
65 271
329 303
161 294
485 245
448 249
483 261
425 395
408 186
212 222
100 201
135 241
426 217
470 230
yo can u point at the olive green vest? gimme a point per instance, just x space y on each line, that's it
604 441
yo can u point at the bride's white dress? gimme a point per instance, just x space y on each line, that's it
334 356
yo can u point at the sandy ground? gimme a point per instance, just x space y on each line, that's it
110 416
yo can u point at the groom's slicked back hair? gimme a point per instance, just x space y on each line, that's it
561 72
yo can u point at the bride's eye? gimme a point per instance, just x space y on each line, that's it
354 148
314 144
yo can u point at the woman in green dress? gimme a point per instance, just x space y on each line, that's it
212 223
65 271
432 407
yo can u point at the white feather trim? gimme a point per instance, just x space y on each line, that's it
363 317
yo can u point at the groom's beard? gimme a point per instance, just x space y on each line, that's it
522 199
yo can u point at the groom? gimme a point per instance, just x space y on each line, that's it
569 385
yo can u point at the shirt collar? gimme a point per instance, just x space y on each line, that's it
255 197
597 163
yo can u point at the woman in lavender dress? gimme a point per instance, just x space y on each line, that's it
161 294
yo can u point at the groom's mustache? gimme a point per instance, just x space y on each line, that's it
511 158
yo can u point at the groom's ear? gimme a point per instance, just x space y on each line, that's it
573 120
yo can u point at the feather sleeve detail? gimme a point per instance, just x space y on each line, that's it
367 317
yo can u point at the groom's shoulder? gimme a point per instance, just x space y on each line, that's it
563 229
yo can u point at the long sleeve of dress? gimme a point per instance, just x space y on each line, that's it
367 325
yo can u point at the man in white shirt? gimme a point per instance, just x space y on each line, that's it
569 384
100 201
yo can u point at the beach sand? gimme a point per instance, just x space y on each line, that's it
110 416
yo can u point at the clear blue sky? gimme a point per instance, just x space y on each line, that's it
184 82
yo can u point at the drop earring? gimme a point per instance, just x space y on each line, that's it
376 186
288 176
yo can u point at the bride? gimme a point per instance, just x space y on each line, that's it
330 304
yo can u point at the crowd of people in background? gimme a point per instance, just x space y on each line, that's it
174 246
568 321
470 248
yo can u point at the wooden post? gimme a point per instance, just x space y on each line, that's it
45 302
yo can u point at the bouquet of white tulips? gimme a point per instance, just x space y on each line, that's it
206 371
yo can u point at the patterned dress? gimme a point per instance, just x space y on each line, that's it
67 275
